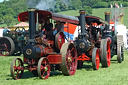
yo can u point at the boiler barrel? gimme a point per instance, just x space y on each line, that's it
33 52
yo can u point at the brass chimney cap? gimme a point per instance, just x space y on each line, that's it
107 13
82 12
31 9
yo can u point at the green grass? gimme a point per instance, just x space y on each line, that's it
116 74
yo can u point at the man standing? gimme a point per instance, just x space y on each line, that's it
59 26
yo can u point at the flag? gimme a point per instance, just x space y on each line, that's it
116 5
121 5
111 6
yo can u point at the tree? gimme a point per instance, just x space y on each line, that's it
75 4
88 9
9 20
101 5
90 2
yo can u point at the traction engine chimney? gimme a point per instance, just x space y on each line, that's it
82 23
32 24
107 18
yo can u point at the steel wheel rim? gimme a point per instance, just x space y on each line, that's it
6 47
43 68
108 53
71 60
97 59
17 68
105 53
59 40
120 55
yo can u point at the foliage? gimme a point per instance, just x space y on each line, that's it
88 9
101 5
125 4
9 9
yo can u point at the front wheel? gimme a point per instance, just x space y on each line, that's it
43 68
120 54
95 59
17 68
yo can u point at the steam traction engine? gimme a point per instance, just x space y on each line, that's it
115 40
41 55
90 48
12 42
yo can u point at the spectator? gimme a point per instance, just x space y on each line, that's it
48 29
59 26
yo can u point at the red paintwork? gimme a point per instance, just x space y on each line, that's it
25 60
24 15
83 57
4 51
69 28
45 73
71 64
54 58
108 53
47 14
97 59
109 39
61 40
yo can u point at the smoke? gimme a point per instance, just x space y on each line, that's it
45 4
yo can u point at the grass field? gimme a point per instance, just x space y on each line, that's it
116 74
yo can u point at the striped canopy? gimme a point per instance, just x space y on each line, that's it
22 24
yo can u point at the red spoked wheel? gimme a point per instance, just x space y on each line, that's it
105 53
43 68
120 54
59 40
95 59
17 68
7 46
69 59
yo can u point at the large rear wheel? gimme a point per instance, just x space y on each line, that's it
105 53
69 59
7 46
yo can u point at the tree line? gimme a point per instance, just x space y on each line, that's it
10 9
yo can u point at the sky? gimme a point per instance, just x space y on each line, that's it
1 0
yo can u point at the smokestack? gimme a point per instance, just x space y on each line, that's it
32 25
107 18
82 23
